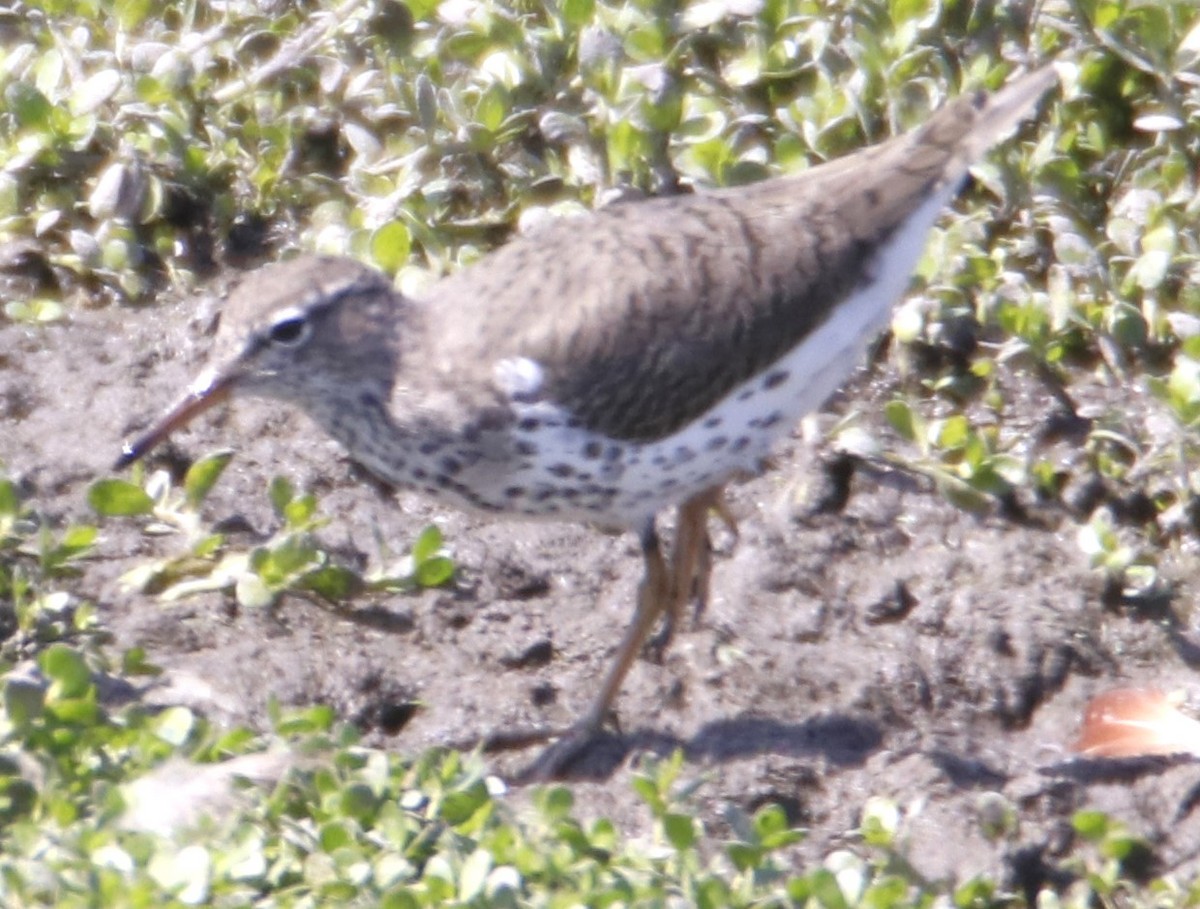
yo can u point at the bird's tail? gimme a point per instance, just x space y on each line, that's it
996 115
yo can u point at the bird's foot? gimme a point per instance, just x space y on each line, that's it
655 649
691 566
573 746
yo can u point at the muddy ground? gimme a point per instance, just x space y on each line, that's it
899 647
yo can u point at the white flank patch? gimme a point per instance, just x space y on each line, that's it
518 376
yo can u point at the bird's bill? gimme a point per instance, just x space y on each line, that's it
205 393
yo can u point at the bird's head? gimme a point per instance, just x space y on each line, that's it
318 331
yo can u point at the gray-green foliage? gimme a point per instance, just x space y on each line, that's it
291 560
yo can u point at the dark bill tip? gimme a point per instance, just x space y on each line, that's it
130 452
192 405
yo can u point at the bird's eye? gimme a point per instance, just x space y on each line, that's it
289 331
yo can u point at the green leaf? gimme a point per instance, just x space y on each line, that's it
131 13
458 807
427 544
578 13
184 873
31 108
391 245
78 538
333 582
474 874
435 572
35 311
119 498
203 475
1091 825
903 420
300 510
555 802
23 701
134 662
492 107
680 830
252 592
280 492
744 856
67 670
10 502
954 432
826 890
95 90
174 725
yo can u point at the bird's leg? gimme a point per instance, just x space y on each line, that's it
691 561
654 599
715 503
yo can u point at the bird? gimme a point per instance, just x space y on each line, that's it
609 366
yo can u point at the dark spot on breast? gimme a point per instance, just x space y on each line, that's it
746 395
593 450
368 399
562 470
775 379
428 448
574 423
442 480
583 477
683 454
713 422
514 492
526 448
544 494
717 442
493 419
766 422
419 473
529 424
871 195
450 466
740 443
668 483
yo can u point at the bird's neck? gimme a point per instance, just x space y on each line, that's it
418 453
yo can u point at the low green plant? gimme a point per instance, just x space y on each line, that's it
291 561
36 561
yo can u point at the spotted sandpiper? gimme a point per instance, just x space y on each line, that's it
609 366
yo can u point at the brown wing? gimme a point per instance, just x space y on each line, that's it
643 315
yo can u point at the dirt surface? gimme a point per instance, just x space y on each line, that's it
899 647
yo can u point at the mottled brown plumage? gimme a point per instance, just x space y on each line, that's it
609 366
647 313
